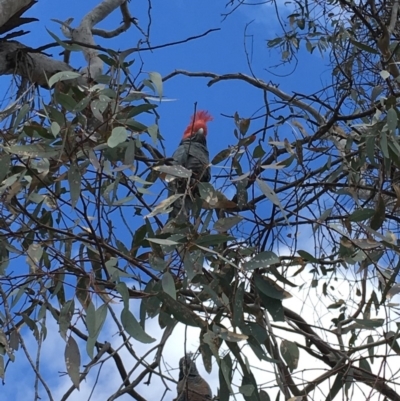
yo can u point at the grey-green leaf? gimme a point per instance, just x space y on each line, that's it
290 353
156 79
168 285
63 76
74 179
225 223
133 328
175 171
361 214
73 361
263 259
118 135
392 120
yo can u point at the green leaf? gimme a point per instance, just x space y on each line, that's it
264 396
157 263
98 107
41 150
336 305
21 114
175 171
244 125
122 288
5 161
213 239
82 104
130 153
156 79
263 259
193 264
370 340
227 335
249 380
63 76
168 285
153 132
118 135
221 156
379 216
363 363
66 46
133 328
361 214
336 387
376 91
370 323
72 358
135 125
364 47
100 318
55 128
162 241
65 317
65 101
141 108
242 194
247 389
74 179
324 215
180 311
370 147
208 193
268 289
270 194
238 305
124 54
274 42
224 390
392 120
94 321
384 145
274 307
290 353
258 152
307 256
226 223
226 370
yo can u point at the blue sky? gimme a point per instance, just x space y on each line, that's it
220 52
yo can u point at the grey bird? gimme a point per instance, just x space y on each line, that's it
192 153
191 386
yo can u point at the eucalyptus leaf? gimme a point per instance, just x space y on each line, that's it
133 328
262 259
156 79
63 76
175 171
74 179
226 223
168 284
290 353
72 358
118 135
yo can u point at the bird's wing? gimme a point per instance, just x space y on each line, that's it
194 388
194 156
